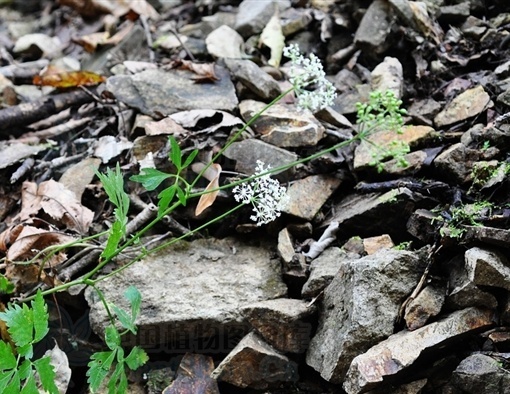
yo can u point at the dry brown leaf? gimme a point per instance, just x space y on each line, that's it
204 71
57 202
166 126
212 174
90 42
92 8
58 78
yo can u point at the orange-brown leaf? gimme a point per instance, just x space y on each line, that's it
69 79
206 200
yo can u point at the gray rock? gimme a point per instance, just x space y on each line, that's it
255 79
283 125
481 374
487 268
255 364
455 12
324 268
360 307
253 15
225 42
457 162
489 235
285 246
427 304
466 105
374 28
284 323
420 225
401 350
415 387
154 91
308 195
247 152
192 290
388 75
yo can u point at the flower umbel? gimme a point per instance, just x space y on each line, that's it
305 72
264 193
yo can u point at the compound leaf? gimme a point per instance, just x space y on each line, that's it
40 316
46 374
150 178
136 358
7 359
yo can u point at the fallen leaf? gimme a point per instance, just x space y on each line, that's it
272 37
205 71
212 174
108 147
92 8
68 79
60 363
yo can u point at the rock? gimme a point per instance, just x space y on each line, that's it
251 76
372 214
412 135
424 109
247 152
324 268
308 195
374 29
374 244
456 162
360 307
253 15
487 268
415 387
282 125
255 364
469 103
393 355
505 310
284 323
285 246
38 45
225 42
481 374
413 163
192 290
489 235
154 91
427 304
454 13
388 75
420 225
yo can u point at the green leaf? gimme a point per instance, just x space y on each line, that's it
30 387
99 366
7 359
25 369
175 153
5 378
41 317
113 183
182 196
116 234
135 300
112 337
124 318
46 374
190 158
118 382
14 385
136 358
6 287
20 321
150 178
165 198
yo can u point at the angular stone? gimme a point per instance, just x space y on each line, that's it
283 125
247 152
388 75
413 163
457 162
370 370
285 246
255 79
284 323
225 42
487 268
412 135
489 235
420 225
481 374
308 195
427 304
466 105
374 244
255 364
324 268
197 288
253 15
154 91
375 27
360 307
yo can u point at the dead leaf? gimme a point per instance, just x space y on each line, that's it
68 79
272 37
60 363
193 376
108 147
92 8
212 174
204 71
90 42
166 126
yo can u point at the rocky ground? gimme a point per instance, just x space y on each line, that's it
389 280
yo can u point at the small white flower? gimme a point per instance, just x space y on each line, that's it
265 194
306 72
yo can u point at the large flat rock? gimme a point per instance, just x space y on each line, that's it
193 290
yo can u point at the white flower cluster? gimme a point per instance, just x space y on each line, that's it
264 193
305 72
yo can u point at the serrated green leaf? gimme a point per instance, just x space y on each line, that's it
136 358
190 158
181 196
5 378
14 385
99 366
124 318
175 155
113 184
20 323
135 300
117 231
112 337
150 178
6 287
7 359
25 369
29 387
41 317
46 374
165 198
